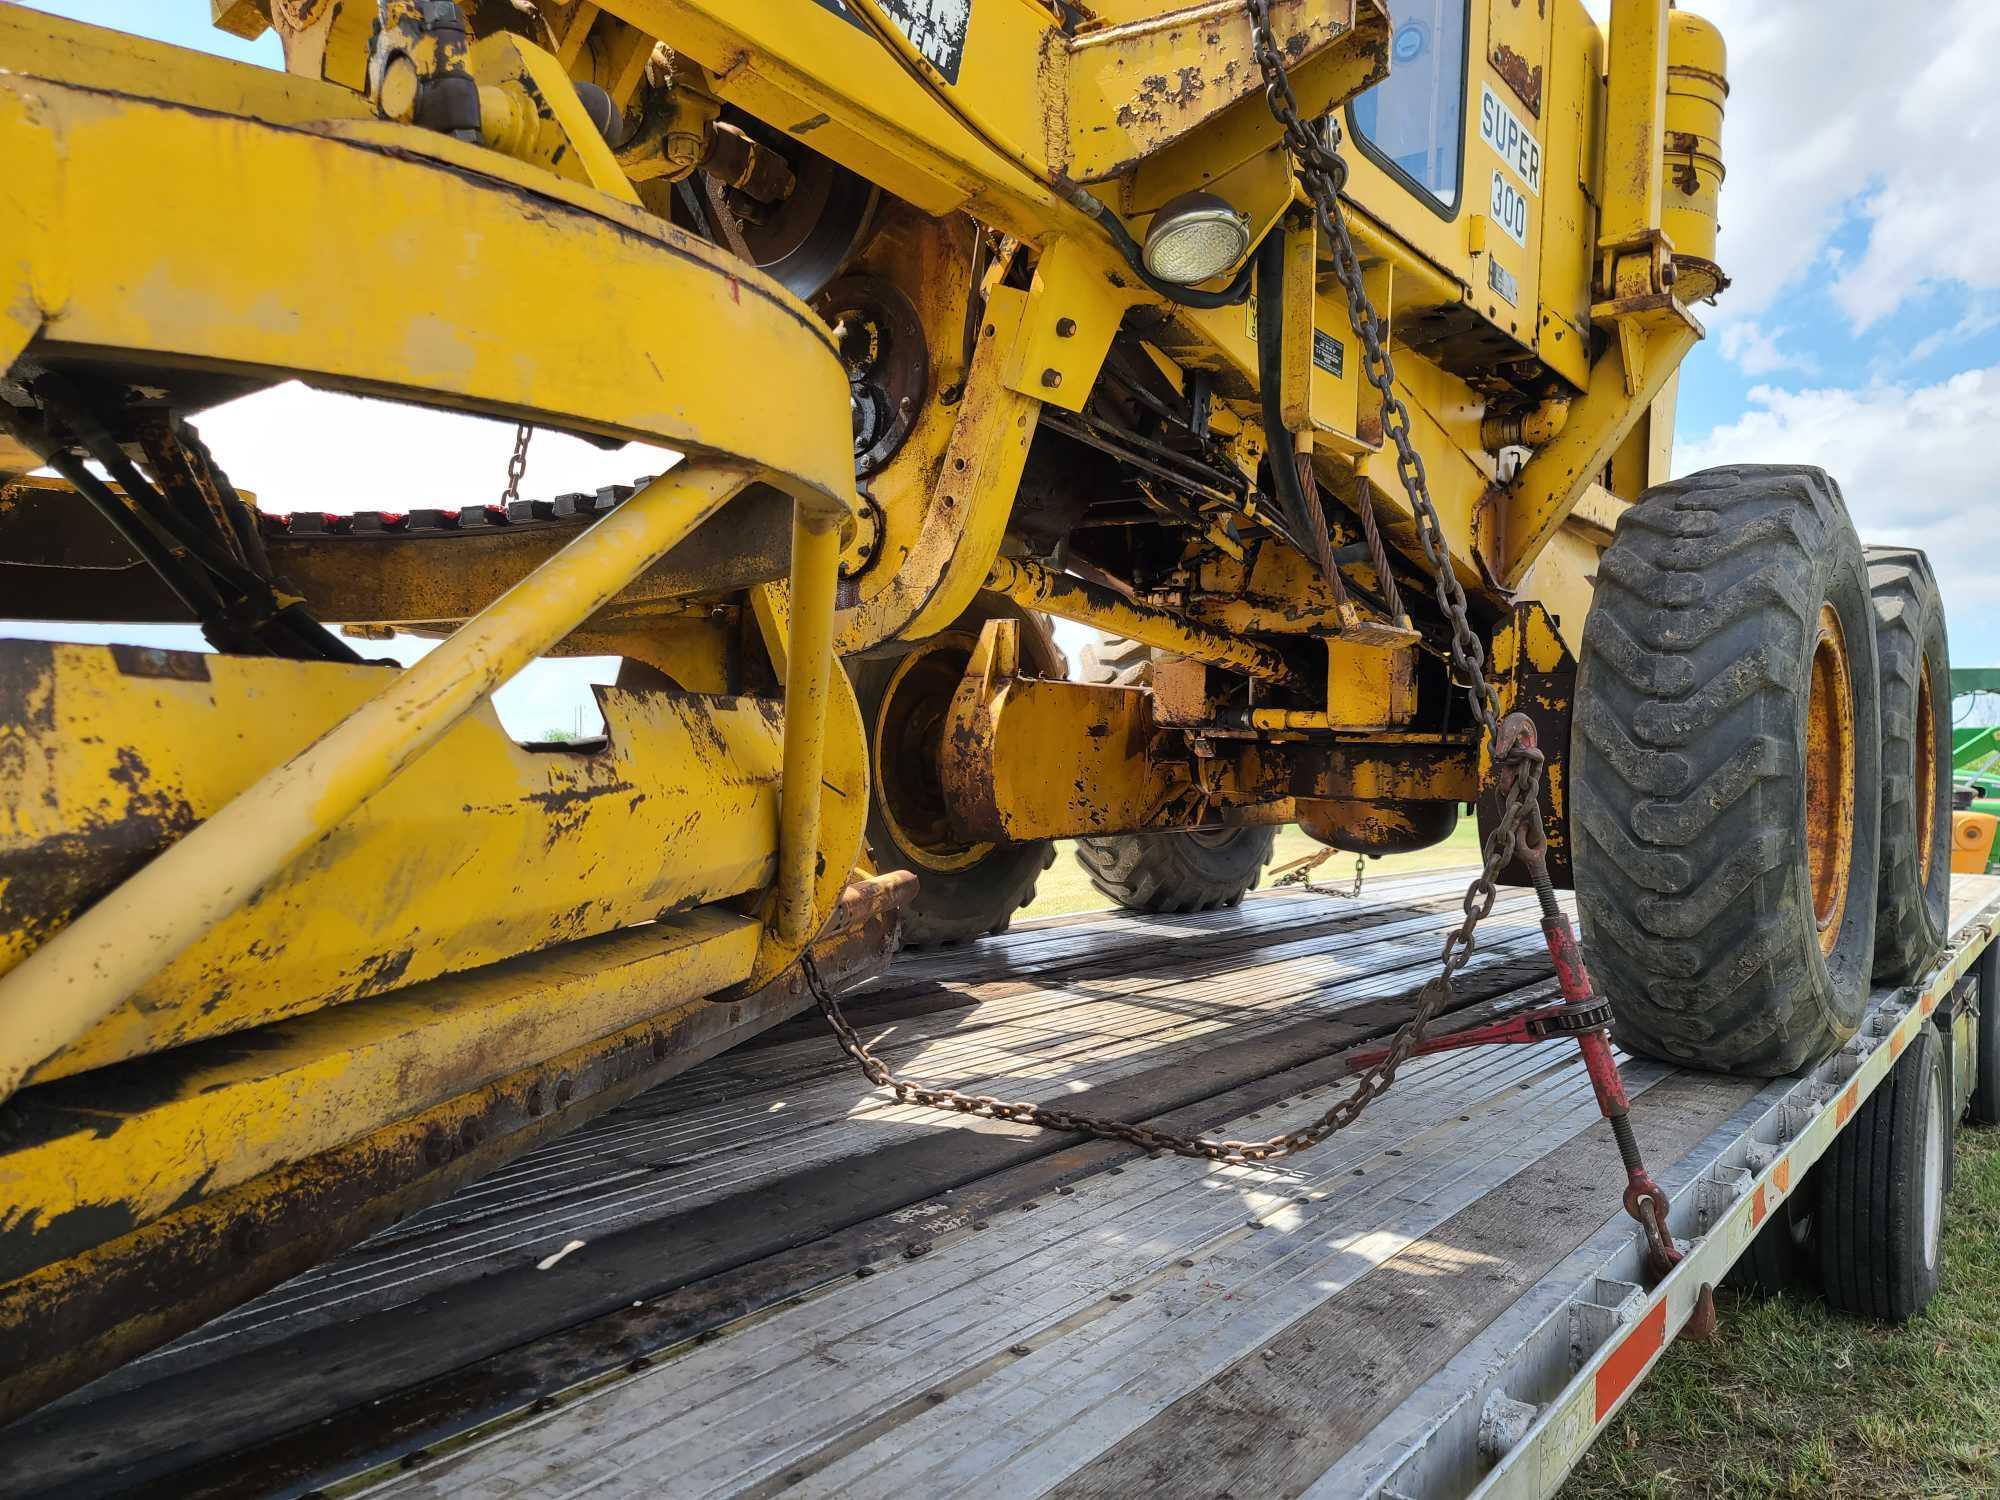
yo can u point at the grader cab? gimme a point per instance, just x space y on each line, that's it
1320 354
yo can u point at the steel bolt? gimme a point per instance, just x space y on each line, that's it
1052 377
1065 328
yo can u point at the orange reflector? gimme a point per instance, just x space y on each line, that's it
1617 1374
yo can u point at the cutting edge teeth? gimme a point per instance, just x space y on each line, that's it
575 506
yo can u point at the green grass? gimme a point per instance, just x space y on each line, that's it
1795 1400
1065 888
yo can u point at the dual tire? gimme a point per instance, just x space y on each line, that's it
1760 777
1760 771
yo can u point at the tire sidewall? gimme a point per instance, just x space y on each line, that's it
1846 974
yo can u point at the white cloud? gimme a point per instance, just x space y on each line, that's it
1754 349
1846 110
1914 466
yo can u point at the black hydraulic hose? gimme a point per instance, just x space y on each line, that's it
1270 263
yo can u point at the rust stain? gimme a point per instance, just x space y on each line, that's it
1525 81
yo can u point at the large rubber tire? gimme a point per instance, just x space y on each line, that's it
1984 1106
1689 773
1177 871
1784 1257
1882 1188
1161 872
1913 906
978 898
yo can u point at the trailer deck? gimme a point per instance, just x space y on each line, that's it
766 1276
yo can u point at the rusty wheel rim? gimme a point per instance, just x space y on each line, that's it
1829 778
1924 774
908 727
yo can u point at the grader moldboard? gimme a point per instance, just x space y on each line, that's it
1326 359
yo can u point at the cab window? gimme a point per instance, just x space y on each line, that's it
1414 120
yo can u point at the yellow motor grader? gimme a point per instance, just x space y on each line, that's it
1320 354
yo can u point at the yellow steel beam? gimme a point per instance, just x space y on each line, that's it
373 257
90 967
808 674
212 1120
1631 371
118 751
1629 196
1033 586
91 1310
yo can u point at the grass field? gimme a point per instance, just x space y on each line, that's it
1065 888
1794 1400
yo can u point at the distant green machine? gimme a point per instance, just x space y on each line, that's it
1975 777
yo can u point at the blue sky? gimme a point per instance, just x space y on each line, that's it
1862 332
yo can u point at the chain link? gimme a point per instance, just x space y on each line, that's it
1517 766
517 466
1302 877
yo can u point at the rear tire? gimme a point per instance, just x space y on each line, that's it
1160 872
1785 1254
1984 1108
1726 858
1177 871
1882 1187
1914 895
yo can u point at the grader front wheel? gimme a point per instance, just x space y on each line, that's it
1727 771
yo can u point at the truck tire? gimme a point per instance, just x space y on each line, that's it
1162 872
1882 1190
1914 895
1725 772
1784 1256
964 891
1984 1107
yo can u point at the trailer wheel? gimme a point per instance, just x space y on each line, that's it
1882 1190
964 890
1725 772
1914 896
1162 872
1984 1108
1785 1254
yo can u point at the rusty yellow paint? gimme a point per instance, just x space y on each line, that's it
1634 125
1138 86
1368 686
822 840
1697 86
336 1074
223 863
1525 514
945 537
1033 586
1067 322
276 260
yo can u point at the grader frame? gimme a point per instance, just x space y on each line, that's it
256 997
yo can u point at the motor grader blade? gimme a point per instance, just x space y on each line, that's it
290 943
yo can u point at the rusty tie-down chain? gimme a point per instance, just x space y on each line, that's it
1517 764
1302 877
517 466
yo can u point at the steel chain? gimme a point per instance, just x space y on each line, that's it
517 466
1517 767
1302 878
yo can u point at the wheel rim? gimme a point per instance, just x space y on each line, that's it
1829 778
1924 777
1933 1178
908 728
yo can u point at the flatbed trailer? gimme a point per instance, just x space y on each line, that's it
766 1277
